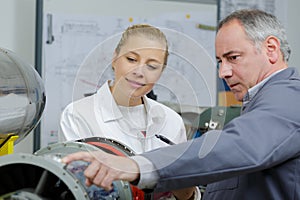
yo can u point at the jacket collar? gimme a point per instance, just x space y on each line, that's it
285 74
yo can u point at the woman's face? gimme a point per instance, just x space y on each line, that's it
138 66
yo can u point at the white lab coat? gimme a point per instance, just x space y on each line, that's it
99 116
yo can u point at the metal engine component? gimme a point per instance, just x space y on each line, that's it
22 100
42 175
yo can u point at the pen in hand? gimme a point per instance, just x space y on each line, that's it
164 139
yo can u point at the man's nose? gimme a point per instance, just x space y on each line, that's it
225 70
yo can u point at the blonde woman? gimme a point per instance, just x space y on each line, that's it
120 109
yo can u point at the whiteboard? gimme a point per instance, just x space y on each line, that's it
79 39
274 7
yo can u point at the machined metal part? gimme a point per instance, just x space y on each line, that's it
22 96
39 177
42 175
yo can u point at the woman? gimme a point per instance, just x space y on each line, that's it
120 109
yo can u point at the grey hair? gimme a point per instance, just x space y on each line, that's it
258 25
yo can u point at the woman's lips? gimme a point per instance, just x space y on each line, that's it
135 84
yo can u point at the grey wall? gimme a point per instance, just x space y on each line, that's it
17 34
293 31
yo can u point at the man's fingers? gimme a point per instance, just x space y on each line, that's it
85 156
104 180
107 182
92 170
104 168
88 182
99 175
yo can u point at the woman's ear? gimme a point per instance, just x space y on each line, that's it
273 48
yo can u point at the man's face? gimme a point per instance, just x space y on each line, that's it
241 64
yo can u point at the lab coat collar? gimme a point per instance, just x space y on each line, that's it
107 105
155 119
156 115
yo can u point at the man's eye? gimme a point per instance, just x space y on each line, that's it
233 58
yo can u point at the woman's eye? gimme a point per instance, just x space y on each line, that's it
151 66
131 59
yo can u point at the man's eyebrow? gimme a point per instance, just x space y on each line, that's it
227 53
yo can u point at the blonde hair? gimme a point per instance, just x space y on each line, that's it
146 30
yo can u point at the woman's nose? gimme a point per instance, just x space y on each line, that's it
138 71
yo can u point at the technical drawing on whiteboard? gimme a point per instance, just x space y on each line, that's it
275 7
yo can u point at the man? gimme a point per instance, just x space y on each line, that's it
256 155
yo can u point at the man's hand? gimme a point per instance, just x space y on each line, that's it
105 168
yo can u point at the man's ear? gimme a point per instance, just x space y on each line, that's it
272 45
